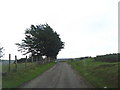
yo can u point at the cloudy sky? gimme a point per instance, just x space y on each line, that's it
88 27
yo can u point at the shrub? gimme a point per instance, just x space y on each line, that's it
108 57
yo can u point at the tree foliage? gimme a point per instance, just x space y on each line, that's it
1 52
41 40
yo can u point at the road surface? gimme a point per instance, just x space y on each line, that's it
59 76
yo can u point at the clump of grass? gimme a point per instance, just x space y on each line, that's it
99 74
15 79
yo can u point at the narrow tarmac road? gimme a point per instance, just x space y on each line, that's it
59 76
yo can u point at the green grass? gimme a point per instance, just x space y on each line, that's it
20 66
99 74
15 79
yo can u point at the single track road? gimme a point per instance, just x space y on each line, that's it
59 76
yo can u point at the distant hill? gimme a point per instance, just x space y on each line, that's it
5 62
64 59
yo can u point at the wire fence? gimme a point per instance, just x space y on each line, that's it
25 63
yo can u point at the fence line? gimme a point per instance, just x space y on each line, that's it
24 63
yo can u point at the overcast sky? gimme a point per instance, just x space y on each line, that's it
88 27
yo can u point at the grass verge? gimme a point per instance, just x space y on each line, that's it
15 79
99 74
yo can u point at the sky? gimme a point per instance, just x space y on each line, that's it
88 27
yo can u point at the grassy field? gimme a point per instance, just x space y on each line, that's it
15 79
99 74
20 66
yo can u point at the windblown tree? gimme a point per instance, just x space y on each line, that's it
41 40
1 52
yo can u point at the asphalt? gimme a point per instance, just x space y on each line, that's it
59 76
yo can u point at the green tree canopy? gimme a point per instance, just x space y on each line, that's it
41 40
1 52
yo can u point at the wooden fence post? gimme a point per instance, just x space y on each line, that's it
32 59
16 63
36 58
49 59
26 62
9 62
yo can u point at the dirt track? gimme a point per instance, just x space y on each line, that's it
59 76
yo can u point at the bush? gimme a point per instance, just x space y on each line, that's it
108 57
